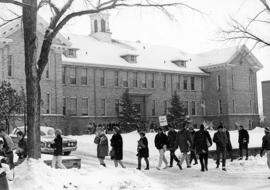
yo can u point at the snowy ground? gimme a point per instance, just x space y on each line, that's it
241 175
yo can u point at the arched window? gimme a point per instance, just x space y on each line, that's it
103 25
95 26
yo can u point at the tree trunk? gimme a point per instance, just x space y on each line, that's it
32 79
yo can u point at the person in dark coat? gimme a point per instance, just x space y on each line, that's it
117 148
202 141
102 145
243 141
143 151
172 145
229 148
57 145
183 141
266 145
8 148
3 178
221 141
161 143
21 150
192 150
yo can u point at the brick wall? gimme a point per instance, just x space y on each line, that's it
266 100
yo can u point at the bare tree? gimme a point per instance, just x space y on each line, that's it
246 32
61 15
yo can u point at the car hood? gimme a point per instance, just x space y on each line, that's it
51 138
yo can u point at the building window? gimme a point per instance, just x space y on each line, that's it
117 106
64 106
64 75
73 106
185 83
103 107
178 82
48 103
103 25
116 78
251 106
153 80
84 76
192 83
233 102
219 107
165 106
10 63
218 82
71 53
102 78
135 80
47 69
250 79
72 75
153 107
95 26
232 81
185 106
203 106
202 84
125 80
193 108
164 81
144 79
84 106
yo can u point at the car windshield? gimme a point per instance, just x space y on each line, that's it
44 131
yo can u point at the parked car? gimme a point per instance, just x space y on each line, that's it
47 136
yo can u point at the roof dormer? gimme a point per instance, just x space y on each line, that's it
71 53
130 58
180 62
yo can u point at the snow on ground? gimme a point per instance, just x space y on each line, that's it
240 175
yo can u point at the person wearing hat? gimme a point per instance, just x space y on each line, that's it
8 147
57 145
266 145
161 143
117 148
220 138
102 145
243 141
143 150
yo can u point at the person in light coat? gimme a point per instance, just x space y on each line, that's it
266 146
102 145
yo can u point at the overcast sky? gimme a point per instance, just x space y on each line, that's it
191 31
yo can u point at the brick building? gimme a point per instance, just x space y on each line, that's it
266 101
87 75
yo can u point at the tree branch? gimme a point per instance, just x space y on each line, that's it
15 3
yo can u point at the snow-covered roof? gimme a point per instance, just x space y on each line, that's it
151 57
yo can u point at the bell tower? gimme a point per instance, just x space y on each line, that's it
100 28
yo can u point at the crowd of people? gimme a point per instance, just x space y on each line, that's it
188 140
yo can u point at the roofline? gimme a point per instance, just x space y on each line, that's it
266 81
132 68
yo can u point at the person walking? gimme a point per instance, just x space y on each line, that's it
243 141
221 141
172 145
192 150
21 150
202 141
3 174
117 148
161 143
58 150
229 148
266 146
102 145
183 141
143 150
8 148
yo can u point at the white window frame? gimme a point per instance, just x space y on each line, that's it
85 98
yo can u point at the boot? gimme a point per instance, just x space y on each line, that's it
224 169
179 165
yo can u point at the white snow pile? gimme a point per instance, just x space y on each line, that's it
35 175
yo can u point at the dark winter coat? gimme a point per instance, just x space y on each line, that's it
143 150
266 142
243 137
192 135
57 146
172 140
220 138
229 144
200 141
183 140
22 145
117 146
102 145
161 140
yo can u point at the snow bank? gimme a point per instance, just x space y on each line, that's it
35 175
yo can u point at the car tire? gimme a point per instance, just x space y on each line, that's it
67 153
